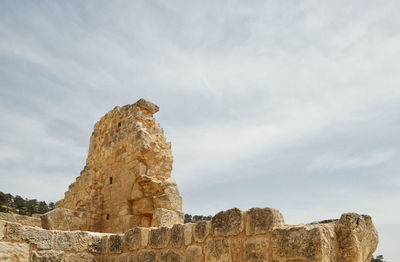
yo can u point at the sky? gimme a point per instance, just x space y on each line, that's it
286 104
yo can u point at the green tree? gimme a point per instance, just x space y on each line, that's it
51 206
31 206
42 207
19 202
378 258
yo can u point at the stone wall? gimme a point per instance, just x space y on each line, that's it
127 178
258 234
23 220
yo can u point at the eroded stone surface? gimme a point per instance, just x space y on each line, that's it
14 252
217 250
47 256
188 233
127 176
63 240
13 231
42 239
62 219
193 254
262 220
171 256
159 237
227 223
176 239
132 238
146 256
201 230
80 257
256 249
115 243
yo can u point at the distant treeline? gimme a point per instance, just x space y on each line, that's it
196 218
23 206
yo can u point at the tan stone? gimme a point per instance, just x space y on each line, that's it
303 243
80 241
146 256
262 220
144 236
63 240
201 230
42 239
171 256
62 219
193 254
159 237
357 238
33 221
2 228
188 233
217 250
47 256
13 231
166 218
227 223
236 249
256 249
14 252
176 240
133 238
115 243
95 244
127 174
80 257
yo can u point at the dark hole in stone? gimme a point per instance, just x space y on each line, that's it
119 124
108 217
110 180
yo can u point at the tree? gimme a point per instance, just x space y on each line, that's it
42 207
378 258
19 202
51 206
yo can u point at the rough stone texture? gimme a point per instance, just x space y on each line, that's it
357 238
42 239
2 228
217 250
176 236
13 231
115 243
62 219
95 244
237 249
47 256
133 239
194 254
201 230
303 243
262 220
171 256
227 223
63 240
256 250
146 256
33 221
80 257
159 237
166 218
14 252
188 233
127 176
80 241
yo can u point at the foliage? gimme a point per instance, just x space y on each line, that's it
378 258
19 205
196 218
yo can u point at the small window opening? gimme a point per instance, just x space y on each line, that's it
108 217
119 124
110 180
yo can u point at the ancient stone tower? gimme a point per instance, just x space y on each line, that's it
127 178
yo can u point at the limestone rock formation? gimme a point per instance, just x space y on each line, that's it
127 176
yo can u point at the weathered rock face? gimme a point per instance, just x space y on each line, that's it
127 176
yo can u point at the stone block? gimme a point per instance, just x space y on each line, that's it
95 244
159 237
166 218
80 257
143 206
227 223
63 240
262 220
236 249
202 230
133 239
176 239
2 228
168 201
47 256
171 256
193 254
14 251
62 219
144 236
13 231
146 256
217 250
303 243
42 239
115 243
356 236
188 233
256 250
80 241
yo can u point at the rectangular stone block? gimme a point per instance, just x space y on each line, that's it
227 223
159 237
201 231
11 251
95 244
2 229
217 250
176 239
13 231
47 256
133 239
63 240
115 243
146 256
171 256
194 254
80 241
188 233
262 220
256 249
42 239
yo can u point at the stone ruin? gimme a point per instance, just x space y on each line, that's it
125 207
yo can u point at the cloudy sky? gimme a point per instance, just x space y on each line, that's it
286 104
